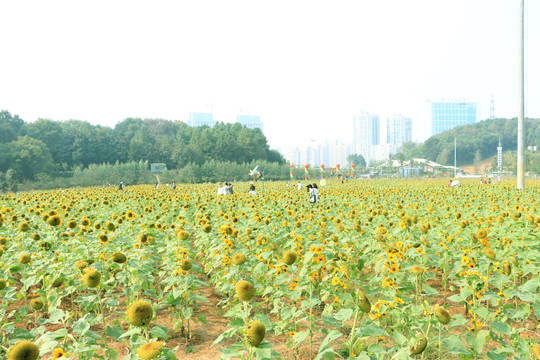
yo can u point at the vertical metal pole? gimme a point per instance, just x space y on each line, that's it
455 158
520 139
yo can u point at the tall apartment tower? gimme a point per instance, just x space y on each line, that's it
398 130
366 134
200 119
446 115
251 121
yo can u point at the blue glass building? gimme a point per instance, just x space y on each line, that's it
446 115
251 121
200 119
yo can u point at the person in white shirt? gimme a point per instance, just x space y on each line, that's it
252 190
314 194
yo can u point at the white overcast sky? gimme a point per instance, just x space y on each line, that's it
306 67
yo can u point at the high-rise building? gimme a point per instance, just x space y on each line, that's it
398 129
366 134
200 119
446 115
251 121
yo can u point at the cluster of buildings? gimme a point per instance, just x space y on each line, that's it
369 142
367 139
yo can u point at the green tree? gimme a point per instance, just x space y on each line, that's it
10 126
357 160
30 157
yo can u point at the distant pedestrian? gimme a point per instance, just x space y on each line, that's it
121 186
252 190
314 194
174 185
299 186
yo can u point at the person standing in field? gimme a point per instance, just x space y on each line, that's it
314 192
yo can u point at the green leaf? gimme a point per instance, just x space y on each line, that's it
80 327
500 327
130 332
343 314
329 320
428 290
332 335
455 345
373 330
160 332
482 312
399 338
477 341
456 298
300 337
495 356
114 331
201 317
530 286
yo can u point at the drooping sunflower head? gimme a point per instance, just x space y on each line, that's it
140 313
54 220
24 350
442 314
150 350
25 258
182 234
23 227
186 264
490 253
207 228
239 259
289 257
57 282
36 304
245 290
119 258
255 332
91 278
363 302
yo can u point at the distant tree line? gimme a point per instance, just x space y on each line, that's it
473 142
48 148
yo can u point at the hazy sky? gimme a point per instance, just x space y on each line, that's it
306 67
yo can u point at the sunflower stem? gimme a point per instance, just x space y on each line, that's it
102 310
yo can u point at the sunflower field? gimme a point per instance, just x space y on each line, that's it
378 269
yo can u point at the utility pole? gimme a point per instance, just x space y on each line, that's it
455 158
520 139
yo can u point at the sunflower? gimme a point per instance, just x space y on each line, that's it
58 353
140 313
255 332
150 350
245 290
481 234
54 220
103 238
24 350
394 268
25 258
